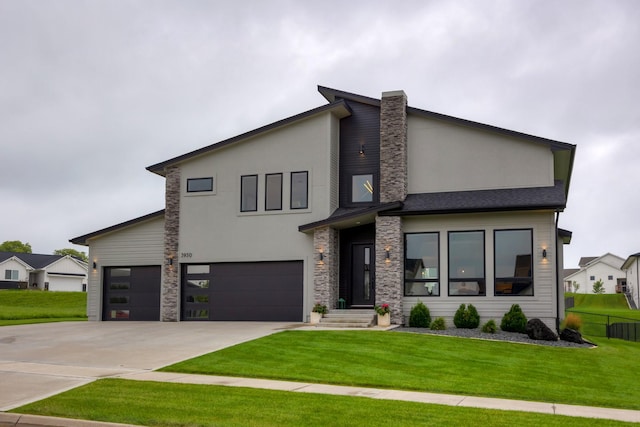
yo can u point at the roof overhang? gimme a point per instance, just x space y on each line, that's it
351 217
565 235
629 261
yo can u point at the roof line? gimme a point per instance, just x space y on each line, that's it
349 215
82 240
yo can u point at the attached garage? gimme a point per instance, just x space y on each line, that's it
131 293
249 291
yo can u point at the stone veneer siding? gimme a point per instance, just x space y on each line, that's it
393 146
389 275
170 287
325 273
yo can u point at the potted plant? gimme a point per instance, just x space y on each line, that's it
317 312
384 316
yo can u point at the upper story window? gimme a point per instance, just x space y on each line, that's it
513 262
362 188
299 190
11 275
197 185
249 193
592 277
466 263
273 192
610 278
421 264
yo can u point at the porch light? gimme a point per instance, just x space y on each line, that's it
387 258
361 149
95 265
320 256
544 254
170 261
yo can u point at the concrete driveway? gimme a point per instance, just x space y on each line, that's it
38 361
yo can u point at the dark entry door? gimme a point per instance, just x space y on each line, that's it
362 275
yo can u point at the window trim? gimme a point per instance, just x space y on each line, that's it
306 205
451 279
9 272
266 191
373 189
436 280
209 190
495 274
242 188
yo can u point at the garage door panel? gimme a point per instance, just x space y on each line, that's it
131 293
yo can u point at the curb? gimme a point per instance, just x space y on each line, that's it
20 420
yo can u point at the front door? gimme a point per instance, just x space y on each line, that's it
362 275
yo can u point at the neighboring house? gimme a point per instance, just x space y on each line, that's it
44 272
631 267
606 268
363 200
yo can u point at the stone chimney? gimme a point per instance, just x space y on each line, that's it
393 146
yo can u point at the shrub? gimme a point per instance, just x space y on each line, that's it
466 317
514 320
490 327
320 308
572 321
419 316
438 324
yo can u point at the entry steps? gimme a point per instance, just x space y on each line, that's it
348 319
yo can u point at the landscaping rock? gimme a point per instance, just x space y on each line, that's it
571 335
538 330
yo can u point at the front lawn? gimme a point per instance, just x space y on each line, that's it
18 306
170 405
583 376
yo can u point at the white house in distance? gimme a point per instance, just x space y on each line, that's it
631 267
607 268
44 272
360 201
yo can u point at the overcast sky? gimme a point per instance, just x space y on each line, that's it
93 92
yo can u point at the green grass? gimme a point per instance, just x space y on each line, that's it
584 376
162 404
28 306
596 310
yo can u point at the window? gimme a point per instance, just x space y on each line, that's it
513 260
197 185
421 264
273 192
610 277
362 188
249 193
466 263
11 274
592 277
299 190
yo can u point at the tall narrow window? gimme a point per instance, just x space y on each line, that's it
513 262
362 188
249 191
299 190
273 192
466 263
421 264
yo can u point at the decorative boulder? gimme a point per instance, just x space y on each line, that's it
538 330
571 335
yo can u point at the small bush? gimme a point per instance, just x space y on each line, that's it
438 324
419 316
490 327
514 320
320 308
466 317
572 321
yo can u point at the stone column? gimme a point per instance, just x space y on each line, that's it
389 273
170 285
325 273
393 146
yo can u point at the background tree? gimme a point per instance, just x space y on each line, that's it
72 252
598 287
15 246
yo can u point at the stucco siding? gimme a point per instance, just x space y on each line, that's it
445 157
141 244
541 305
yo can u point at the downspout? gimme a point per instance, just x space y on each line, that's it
637 283
557 275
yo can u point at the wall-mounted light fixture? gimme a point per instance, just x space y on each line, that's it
170 261
320 256
95 265
387 256
544 254
361 150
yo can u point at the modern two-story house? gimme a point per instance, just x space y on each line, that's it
361 200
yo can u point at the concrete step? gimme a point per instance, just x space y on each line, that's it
348 319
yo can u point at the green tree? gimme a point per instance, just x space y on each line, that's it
15 246
576 286
72 252
598 287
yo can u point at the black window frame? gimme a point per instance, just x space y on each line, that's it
242 190
427 280
373 189
515 279
202 179
306 190
480 280
266 192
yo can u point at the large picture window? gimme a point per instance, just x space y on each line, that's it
273 192
513 262
299 190
466 263
421 264
249 193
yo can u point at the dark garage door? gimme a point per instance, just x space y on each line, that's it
131 293
267 291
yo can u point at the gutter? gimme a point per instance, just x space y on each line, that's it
557 275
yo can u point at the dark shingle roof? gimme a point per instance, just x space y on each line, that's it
36 261
586 260
348 217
